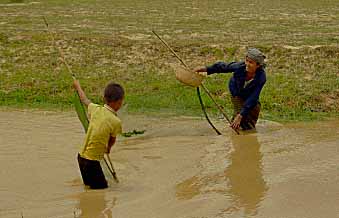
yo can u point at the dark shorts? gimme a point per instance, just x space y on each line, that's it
251 119
92 173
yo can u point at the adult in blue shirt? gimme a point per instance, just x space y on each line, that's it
248 79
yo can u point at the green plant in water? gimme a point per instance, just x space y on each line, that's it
134 132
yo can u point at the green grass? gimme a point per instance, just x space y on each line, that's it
112 40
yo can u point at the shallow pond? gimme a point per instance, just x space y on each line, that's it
178 168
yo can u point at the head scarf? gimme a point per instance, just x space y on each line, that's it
256 55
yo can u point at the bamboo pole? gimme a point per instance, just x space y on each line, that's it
62 55
202 85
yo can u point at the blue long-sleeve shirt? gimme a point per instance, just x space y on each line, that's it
250 94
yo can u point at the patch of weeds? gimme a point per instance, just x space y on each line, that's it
231 51
3 38
217 52
133 133
102 45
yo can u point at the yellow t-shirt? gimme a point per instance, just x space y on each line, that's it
102 125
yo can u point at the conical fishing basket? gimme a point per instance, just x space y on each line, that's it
189 78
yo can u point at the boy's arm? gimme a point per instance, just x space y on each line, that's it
110 144
81 93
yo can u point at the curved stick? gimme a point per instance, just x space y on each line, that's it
219 107
205 113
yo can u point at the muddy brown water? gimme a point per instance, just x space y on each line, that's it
178 168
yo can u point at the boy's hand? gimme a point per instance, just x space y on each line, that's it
108 150
81 93
111 142
76 84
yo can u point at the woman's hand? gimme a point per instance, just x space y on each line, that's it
236 122
201 71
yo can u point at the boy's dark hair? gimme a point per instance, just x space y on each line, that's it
113 92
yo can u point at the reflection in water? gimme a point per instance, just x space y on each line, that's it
247 186
92 204
241 180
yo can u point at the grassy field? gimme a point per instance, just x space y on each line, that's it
112 40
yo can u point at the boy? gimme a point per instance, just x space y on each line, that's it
104 126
